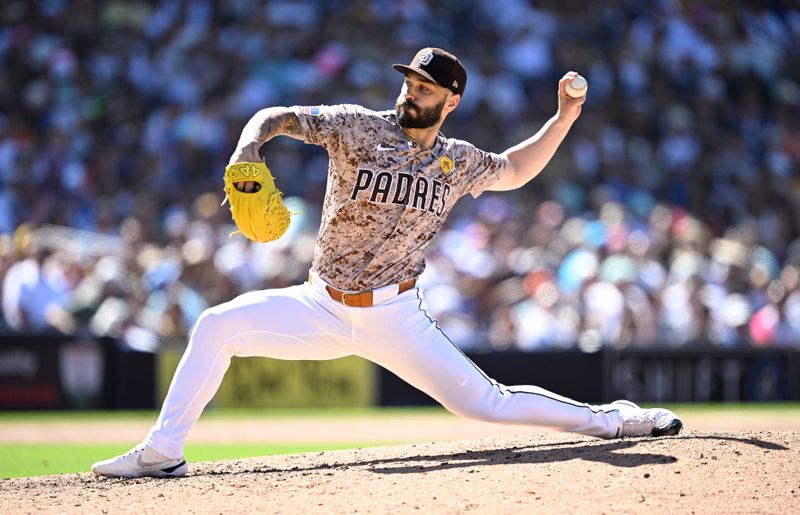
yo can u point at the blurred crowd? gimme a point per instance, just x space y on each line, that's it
669 217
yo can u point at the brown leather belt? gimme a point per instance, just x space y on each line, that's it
362 299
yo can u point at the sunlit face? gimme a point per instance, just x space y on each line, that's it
420 103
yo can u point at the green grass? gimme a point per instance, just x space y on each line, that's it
26 460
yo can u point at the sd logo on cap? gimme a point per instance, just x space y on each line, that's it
438 66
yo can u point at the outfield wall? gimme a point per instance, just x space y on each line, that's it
52 373
699 375
64 373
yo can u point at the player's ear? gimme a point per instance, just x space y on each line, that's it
452 102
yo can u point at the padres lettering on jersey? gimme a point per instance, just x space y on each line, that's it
404 189
386 196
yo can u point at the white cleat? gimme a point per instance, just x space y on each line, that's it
646 422
141 461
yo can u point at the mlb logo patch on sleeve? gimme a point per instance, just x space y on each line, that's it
311 110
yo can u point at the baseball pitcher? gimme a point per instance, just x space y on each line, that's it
392 180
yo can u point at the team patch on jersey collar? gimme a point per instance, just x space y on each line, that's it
446 163
310 110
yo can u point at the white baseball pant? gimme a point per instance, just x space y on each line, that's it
304 323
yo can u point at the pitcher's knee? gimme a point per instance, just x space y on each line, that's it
476 411
484 408
209 329
209 320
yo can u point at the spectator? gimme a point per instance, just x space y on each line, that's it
672 221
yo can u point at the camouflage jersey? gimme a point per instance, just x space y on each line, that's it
386 196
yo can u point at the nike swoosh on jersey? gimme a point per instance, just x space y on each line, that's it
383 147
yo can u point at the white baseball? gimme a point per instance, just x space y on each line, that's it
577 87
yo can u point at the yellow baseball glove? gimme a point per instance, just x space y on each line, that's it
259 214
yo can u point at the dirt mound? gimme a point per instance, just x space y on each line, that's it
541 472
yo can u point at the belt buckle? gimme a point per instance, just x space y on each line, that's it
344 298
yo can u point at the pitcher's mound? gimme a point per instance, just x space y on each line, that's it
538 472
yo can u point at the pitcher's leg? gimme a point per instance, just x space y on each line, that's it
413 347
282 324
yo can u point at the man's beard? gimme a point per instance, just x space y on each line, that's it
418 118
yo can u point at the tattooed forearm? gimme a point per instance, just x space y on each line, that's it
262 127
275 121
